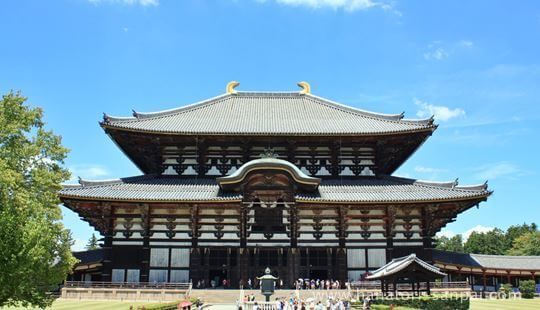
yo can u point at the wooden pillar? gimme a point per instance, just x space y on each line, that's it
242 265
334 159
342 221
484 280
389 231
294 263
427 217
201 156
293 218
428 287
144 211
329 263
243 225
341 267
107 213
194 225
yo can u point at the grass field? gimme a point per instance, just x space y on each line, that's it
504 304
90 305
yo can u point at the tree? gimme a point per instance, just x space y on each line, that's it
491 242
453 244
515 231
35 255
92 243
527 244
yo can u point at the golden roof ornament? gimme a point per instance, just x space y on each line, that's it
231 86
306 88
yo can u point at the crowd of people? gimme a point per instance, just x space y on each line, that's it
301 284
293 303
317 284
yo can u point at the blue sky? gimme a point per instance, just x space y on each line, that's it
474 64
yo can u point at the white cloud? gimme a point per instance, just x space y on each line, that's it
128 2
440 113
439 50
477 228
422 169
87 171
436 54
446 233
465 235
347 5
466 43
497 171
78 245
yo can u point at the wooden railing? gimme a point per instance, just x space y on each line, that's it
129 285
261 305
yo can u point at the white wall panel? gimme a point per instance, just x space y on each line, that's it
179 276
179 258
118 275
376 258
157 275
356 258
159 257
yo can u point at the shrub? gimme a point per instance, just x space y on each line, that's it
506 289
527 288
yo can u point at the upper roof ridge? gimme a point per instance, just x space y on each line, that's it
392 117
442 184
143 115
86 182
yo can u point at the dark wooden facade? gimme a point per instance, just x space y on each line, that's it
270 217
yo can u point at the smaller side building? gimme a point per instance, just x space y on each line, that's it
487 272
89 267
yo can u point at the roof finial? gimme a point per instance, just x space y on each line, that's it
231 86
306 89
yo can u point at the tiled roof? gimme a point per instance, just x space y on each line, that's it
370 190
389 189
258 113
149 188
399 264
90 256
488 261
455 258
508 262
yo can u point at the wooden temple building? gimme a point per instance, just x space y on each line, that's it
248 180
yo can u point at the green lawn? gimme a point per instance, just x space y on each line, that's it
504 304
90 305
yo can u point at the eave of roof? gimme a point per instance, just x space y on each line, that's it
398 264
151 188
269 164
312 108
484 261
